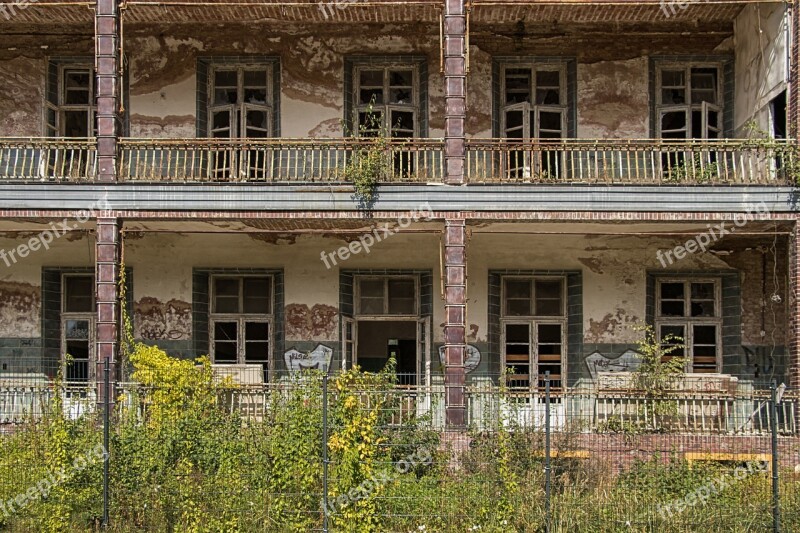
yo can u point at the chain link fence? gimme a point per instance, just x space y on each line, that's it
189 450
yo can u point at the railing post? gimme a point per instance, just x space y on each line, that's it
106 437
776 501
325 451
547 468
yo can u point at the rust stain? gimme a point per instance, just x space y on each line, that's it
20 308
316 323
157 320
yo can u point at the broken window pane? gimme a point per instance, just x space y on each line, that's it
79 294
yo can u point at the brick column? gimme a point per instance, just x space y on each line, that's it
455 267
794 308
106 278
108 87
455 79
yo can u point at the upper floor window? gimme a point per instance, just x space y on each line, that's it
70 110
240 101
387 100
689 311
689 101
241 321
534 101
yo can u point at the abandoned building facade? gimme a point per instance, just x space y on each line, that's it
550 176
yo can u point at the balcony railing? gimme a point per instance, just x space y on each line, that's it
641 162
279 160
47 159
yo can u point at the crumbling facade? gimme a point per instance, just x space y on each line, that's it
550 176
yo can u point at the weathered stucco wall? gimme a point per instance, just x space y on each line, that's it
761 60
21 280
311 290
163 64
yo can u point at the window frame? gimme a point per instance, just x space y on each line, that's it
357 314
528 132
238 111
60 107
241 319
387 107
688 322
533 321
89 316
689 106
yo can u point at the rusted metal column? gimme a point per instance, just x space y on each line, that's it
455 267
107 329
108 87
455 78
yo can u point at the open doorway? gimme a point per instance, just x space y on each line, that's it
378 341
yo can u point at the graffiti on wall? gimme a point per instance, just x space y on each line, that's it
317 359
471 361
627 362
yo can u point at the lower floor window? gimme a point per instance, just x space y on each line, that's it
530 349
697 343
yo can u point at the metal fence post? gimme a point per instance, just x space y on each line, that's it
325 452
106 436
773 416
547 452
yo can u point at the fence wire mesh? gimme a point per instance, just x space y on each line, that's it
358 452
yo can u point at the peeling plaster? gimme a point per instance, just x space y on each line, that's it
607 329
316 323
157 320
20 309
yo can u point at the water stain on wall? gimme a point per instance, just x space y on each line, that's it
157 320
20 309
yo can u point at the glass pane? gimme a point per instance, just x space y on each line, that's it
518 297
371 78
257 119
76 123
402 297
226 295
221 120
370 96
672 308
513 119
400 96
256 292
77 83
401 78
550 121
77 366
677 335
255 78
224 352
549 334
256 331
672 291
402 120
370 123
673 87
702 291
256 351
76 329
705 334
371 296
518 86
79 294
548 85
673 120
225 331
704 85
548 298
226 78
517 333
225 96
255 96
